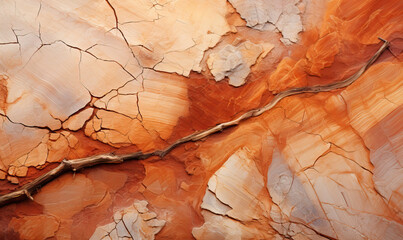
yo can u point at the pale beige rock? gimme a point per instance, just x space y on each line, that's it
100 77
176 23
77 121
9 57
220 227
142 10
103 102
257 12
213 204
328 198
294 201
353 205
88 27
233 198
386 154
16 141
148 216
236 185
141 206
21 34
37 89
289 22
234 62
132 87
124 104
134 222
263 14
111 46
103 232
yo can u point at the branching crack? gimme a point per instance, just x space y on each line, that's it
121 32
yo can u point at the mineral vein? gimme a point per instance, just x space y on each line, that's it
75 164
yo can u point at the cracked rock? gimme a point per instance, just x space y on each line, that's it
234 62
134 222
92 81
283 14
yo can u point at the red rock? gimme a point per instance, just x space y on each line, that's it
35 227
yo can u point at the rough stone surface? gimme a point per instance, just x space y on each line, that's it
268 14
82 78
134 222
235 62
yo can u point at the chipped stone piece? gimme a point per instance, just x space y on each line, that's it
234 62
77 121
265 14
141 206
13 180
130 223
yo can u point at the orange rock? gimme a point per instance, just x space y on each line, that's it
69 194
289 73
3 92
322 54
35 227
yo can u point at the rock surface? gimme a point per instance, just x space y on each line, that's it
278 14
235 62
81 78
134 222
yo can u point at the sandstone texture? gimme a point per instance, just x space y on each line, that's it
134 222
83 78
